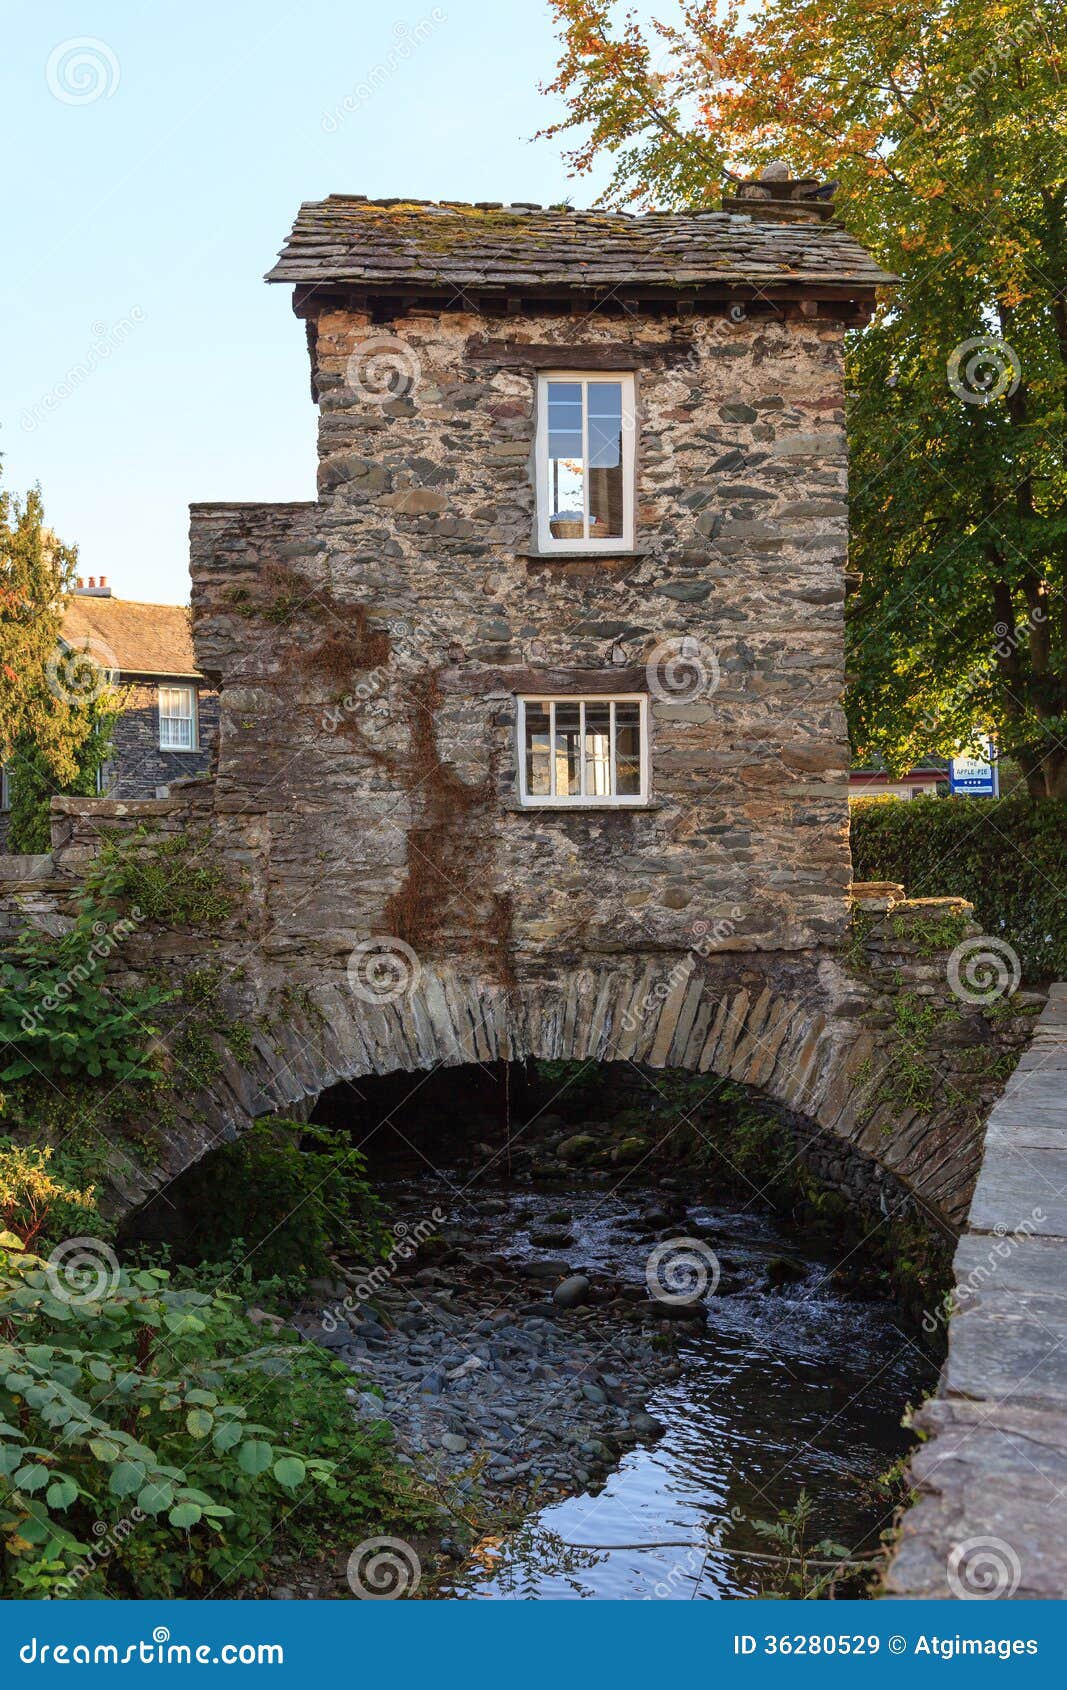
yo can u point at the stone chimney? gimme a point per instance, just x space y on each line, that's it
778 197
96 589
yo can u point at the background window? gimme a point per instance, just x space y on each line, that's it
585 461
582 750
177 718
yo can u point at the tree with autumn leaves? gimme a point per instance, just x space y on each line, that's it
56 707
945 125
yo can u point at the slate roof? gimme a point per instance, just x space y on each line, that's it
449 245
140 639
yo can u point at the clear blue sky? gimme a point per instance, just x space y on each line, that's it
145 363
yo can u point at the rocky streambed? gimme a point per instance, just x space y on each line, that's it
635 1381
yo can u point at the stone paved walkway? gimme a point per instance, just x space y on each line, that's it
991 1519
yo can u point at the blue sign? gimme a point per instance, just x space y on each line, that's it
975 777
742 1645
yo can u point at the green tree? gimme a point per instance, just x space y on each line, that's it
943 123
57 706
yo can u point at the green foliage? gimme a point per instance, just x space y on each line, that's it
802 1571
160 1415
173 879
1007 856
58 1018
41 708
942 125
37 1196
33 782
287 1191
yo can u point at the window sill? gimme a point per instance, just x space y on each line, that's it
588 555
582 807
180 750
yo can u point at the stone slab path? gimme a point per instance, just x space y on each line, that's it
991 1518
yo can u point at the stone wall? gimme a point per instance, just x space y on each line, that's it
370 648
817 1032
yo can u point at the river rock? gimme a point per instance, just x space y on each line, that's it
578 1148
573 1291
549 1269
454 1444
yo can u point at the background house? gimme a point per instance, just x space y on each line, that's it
169 726
927 779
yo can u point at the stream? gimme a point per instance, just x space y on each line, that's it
689 1433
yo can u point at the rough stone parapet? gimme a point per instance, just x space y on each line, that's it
818 1032
992 1473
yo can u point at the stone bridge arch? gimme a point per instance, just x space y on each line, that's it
800 1043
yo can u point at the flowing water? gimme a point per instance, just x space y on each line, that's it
787 1387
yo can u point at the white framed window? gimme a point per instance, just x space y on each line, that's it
177 718
585 751
586 437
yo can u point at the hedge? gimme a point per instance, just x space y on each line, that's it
1008 856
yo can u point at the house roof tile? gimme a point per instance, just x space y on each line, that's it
135 638
448 245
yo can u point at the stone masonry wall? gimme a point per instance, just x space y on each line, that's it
881 1107
370 648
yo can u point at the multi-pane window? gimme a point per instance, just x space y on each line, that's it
177 718
585 462
583 750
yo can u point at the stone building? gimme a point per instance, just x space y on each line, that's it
552 669
169 724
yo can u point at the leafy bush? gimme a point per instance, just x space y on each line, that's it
287 1191
1007 856
34 1196
152 1445
33 779
174 879
57 1016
